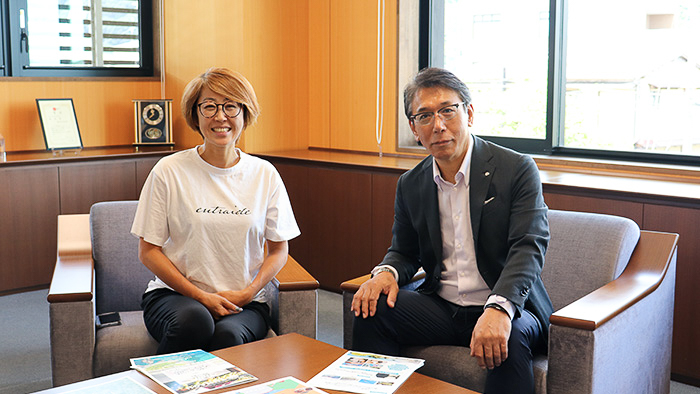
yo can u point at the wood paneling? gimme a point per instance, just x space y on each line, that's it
319 73
104 109
686 318
29 207
266 41
85 184
333 208
345 217
269 46
383 195
312 63
353 76
296 181
37 193
277 64
143 168
566 202
340 205
343 75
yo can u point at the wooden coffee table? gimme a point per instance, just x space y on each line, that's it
285 355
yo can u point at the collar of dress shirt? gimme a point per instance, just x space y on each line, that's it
463 172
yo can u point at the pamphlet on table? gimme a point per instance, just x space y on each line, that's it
119 386
193 371
288 385
366 373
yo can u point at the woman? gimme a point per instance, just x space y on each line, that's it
203 218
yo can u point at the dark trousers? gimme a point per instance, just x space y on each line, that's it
180 323
420 319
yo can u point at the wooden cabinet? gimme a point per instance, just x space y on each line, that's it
340 205
29 206
579 203
34 192
383 194
84 184
345 216
143 168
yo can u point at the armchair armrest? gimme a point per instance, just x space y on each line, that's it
72 277
294 277
71 308
645 271
295 309
618 338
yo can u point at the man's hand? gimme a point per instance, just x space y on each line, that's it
365 300
489 342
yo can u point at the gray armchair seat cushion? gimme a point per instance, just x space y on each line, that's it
115 345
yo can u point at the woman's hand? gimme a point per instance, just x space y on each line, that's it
218 305
273 263
238 297
153 258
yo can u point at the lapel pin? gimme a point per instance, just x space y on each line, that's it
487 173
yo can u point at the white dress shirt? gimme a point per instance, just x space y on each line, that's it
461 281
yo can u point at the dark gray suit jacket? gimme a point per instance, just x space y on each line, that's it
511 231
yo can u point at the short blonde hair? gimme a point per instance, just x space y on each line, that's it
225 82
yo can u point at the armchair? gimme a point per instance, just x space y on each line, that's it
98 270
612 287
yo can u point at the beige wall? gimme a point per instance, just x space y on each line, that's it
312 63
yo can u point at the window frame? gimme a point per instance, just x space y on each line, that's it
4 40
432 31
14 58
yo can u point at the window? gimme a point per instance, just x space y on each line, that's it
608 78
77 38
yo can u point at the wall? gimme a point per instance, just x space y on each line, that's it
265 40
312 63
343 75
103 108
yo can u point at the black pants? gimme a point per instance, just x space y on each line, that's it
180 323
419 319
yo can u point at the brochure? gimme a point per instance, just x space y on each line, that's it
194 371
119 386
366 373
288 385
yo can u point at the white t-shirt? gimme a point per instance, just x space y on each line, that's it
212 222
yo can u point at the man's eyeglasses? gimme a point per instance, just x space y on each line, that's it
209 109
427 118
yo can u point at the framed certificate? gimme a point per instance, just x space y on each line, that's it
59 124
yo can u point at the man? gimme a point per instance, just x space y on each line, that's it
473 217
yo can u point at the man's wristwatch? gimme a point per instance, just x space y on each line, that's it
497 307
381 269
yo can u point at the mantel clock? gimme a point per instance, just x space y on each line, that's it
153 122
